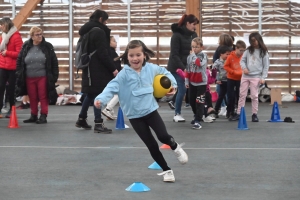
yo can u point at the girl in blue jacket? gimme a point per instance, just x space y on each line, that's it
134 85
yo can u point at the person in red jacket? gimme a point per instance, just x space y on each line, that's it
10 46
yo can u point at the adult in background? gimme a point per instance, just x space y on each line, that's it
10 46
101 69
183 33
37 73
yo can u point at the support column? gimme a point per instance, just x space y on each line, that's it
193 7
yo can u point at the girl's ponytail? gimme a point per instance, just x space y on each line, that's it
188 18
182 19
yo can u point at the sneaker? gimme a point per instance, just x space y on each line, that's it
171 104
168 176
207 119
234 117
212 116
187 105
178 118
197 125
223 111
193 122
181 155
255 118
210 110
106 112
8 114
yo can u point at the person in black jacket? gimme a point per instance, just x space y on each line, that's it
183 33
100 71
36 75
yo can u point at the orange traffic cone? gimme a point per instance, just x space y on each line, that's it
13 121
165 146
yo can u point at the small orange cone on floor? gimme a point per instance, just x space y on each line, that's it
165 146
13 121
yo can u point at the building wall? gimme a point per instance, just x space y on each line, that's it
150 22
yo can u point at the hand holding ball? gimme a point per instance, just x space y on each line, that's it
161 86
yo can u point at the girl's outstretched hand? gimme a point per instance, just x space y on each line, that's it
172 91
97 104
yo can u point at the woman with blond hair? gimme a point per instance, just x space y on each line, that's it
10 46
37 73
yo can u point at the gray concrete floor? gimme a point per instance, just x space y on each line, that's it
59 161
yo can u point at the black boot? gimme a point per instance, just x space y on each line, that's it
100 128
42 119
32 119
82 123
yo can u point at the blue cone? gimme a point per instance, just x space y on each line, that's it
137 187
275 117
154 166
243 121
120 120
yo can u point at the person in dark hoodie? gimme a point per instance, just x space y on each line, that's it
101 69
183 33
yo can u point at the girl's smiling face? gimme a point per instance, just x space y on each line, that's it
136 58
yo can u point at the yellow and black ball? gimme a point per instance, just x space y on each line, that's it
161 86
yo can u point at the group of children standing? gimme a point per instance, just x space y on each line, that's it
239 68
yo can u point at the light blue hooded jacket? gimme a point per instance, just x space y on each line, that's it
135 90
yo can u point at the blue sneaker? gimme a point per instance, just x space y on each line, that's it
197 125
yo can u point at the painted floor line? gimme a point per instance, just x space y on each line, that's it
57 147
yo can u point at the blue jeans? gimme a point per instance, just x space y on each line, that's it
180 92
85 107
223 104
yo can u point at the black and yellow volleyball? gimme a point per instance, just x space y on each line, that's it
161 86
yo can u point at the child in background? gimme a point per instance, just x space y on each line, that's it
109 110
255 65
134 84
234 74
196 80
208 108
221 79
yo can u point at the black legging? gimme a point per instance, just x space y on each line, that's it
10 77
142 128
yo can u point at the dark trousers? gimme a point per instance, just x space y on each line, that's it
222 95
142 127
88 100
7 76
197 100
233 92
